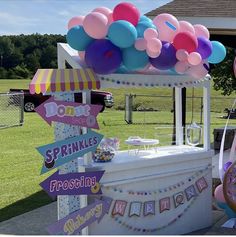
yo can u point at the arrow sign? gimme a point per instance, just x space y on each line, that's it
73 183
78 220
69 112
61 152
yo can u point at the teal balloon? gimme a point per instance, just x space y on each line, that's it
122 70
134 59
78 39
142 26
122 34
218 52
145 18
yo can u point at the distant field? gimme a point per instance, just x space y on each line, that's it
20 162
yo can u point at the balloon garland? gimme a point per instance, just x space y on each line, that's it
121 40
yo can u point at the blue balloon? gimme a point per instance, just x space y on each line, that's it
103 56
122 34
134 59
78 39
145 18
218 52
142 26
229 212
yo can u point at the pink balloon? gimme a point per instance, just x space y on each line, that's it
198 71
81 55
186 26
167 26
140 44
194 58
144 70
105 11
182 55
219 195
74 21
152 54
201 31
234 67
181 67
154 45
150 33
96 25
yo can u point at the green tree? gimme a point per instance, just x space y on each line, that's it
223 75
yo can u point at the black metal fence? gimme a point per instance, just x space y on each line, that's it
11 109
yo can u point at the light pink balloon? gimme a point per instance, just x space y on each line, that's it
194 58
150 33
145 69
152 54
105 11
75 21
186 26
182 55
154 45
140 44
219 195
198 71
181 67
167 26
96 25
81 55
201 30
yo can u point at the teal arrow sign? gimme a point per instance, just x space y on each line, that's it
61 152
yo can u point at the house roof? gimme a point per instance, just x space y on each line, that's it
198 8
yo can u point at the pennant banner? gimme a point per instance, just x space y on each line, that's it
73 183
69 112
75 222
149 208
119 208
61 152
135 209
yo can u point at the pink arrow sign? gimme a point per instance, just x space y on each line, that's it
69 112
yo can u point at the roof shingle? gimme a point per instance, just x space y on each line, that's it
197 8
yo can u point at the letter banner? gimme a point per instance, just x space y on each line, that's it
201 184
73 183
61 152
119 208
178 199
149 208
135 209
164 204
75 222
69 112
190 192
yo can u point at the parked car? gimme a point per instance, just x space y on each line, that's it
32 101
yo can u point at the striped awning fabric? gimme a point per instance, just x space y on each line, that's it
63 80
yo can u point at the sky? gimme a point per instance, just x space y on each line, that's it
52 16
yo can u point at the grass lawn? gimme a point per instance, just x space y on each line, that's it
20 162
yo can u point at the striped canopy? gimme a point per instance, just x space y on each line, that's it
63 80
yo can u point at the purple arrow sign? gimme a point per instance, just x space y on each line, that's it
73 183
78 220
69 112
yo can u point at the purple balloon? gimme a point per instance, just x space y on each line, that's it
166 59
103 56
204 47
227 165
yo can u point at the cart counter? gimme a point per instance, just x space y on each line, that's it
156 191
